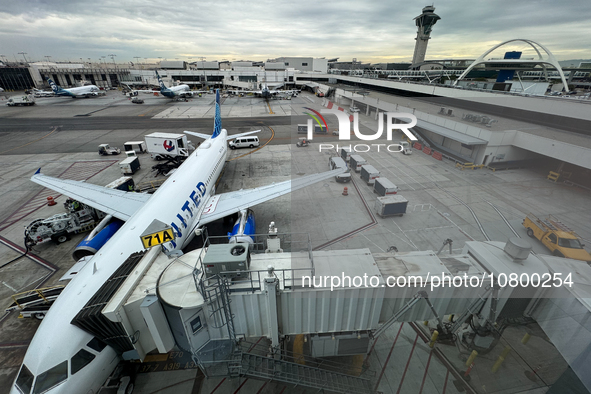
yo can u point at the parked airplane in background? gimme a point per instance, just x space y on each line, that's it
265 92
63 358
174 92
82 91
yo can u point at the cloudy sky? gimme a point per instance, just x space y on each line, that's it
370 30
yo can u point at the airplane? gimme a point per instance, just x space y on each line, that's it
265 92
82 91
63 358
174 92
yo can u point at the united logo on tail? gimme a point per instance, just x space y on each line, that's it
217 127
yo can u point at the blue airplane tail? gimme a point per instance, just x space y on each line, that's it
217 126
162 86
54 87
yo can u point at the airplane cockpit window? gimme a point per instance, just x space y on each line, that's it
25 380
81 360
51 378
96 344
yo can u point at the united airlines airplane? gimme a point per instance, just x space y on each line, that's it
65 359
82 91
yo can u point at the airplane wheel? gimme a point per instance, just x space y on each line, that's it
39 316
530 232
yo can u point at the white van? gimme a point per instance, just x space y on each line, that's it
337 162
244 142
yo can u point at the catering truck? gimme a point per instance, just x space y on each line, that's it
557 237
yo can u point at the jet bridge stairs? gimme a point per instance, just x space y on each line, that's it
257 361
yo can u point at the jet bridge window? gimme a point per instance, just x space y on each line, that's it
51 378
96 344
25 380
81 360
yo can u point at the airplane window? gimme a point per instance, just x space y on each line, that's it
25 380
96 344
81 360
51 378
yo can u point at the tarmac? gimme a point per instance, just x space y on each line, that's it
439 195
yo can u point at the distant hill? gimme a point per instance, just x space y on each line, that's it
574 62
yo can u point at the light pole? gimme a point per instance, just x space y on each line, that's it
23 53
113 59
136 59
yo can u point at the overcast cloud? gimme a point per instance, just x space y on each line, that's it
371 31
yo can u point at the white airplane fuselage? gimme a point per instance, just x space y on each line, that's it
179 202
174 91
82 91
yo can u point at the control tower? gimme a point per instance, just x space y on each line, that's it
424 23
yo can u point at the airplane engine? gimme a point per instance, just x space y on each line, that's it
89 247
244 228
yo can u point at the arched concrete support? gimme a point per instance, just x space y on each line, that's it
551 60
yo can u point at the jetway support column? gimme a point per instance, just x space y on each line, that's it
271 292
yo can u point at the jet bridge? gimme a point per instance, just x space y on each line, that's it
340 300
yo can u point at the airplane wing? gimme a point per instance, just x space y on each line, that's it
118 203
200 135
222 205
231 137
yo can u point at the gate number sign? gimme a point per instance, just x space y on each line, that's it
157 233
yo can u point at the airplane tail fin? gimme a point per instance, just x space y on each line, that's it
217 126
162 86
54 87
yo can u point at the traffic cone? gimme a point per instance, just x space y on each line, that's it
50 201
345 191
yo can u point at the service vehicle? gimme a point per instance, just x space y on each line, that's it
303 142
163 145
244 142
337 162
59 227
105 150
557 237
405 147
21 100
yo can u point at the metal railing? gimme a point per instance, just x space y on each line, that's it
296 242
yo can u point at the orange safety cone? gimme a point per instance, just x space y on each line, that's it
50 201
345 191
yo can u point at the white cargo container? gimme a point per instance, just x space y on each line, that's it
130 165
346 153
356 161
391 205
383 186
167 144
369 174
